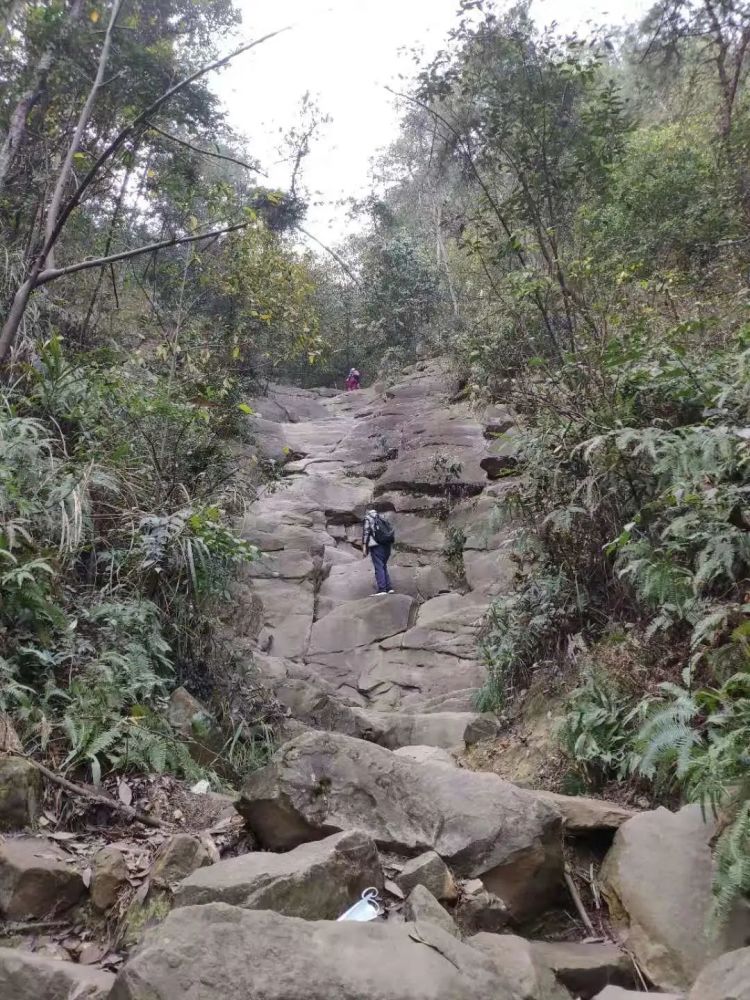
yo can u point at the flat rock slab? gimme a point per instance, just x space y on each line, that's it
201 952
25 976
316 881
479 824
359 623
437 729
584 815
657 881
618 993
36 879
585 968
351 578
413 678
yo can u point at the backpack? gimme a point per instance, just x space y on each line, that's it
382 530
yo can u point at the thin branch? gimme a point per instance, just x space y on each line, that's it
86 793
53 273
578 903
83 120
337 257
143 119
206 152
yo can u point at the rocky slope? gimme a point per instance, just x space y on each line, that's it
365 790
406 665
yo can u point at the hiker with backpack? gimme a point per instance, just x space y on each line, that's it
377 538
353 380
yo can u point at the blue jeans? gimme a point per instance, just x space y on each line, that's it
380 554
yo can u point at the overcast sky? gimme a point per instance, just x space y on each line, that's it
345 52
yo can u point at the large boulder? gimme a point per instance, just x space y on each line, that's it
726 978
585 968
226 951
20 793
36 879
317 881
24 976
479 824
656 879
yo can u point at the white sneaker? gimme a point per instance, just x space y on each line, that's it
391 591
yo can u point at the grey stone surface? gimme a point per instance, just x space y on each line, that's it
225 951
657 882
479 824
317 881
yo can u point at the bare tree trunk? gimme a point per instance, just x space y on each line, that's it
442 259
83 119
21 112
24 107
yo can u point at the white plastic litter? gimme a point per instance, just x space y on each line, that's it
366 908
201 787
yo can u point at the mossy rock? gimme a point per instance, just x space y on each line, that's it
141 917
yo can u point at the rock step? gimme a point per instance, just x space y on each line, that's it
223 951
446 730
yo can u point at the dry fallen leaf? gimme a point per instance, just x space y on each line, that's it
124 792
86 877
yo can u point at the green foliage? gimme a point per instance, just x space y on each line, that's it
599 731
670 200
522 629
102 604
699 739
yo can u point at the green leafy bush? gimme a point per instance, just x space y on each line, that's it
523 628
699 740
600 728
102 602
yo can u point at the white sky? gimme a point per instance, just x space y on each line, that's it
344 52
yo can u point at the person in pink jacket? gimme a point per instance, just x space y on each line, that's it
352 380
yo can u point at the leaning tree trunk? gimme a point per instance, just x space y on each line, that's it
19 118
